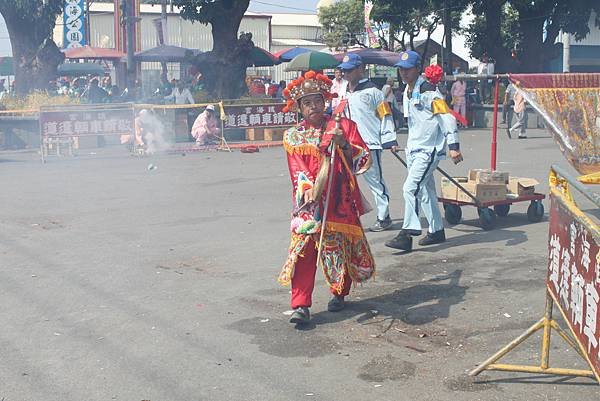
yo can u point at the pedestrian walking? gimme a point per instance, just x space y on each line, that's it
367 107
431 130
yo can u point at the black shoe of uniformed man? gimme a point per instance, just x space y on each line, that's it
381 225
402 241
301 315
336 303
433 238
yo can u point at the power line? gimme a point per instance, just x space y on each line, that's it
280 6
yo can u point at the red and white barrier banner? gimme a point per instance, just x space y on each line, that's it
79 121
574 276
258 116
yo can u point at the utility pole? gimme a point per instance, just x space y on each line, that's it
163 16
448 35
128 16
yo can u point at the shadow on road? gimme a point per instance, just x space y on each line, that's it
416 305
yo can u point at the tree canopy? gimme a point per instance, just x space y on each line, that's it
521 34
30 25
343 23
224 67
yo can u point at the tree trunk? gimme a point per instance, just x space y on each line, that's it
494 44
532 45
224 68
35 55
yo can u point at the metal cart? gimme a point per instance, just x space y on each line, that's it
488 211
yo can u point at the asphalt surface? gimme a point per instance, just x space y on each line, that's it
119 282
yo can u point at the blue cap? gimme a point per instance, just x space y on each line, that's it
350 62
408 59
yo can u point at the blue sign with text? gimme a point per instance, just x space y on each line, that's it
74 24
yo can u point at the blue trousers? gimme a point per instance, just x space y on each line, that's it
419 192
374 178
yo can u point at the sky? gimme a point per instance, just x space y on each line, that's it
5 49
283 6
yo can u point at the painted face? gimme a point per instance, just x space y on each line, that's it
312 106
409 75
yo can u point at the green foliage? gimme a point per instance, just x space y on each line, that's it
342 21
528 27
41 15
410 18
476 35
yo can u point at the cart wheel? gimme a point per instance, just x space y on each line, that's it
453 213
535 211
487 218
502 210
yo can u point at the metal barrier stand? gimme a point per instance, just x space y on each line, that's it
559 187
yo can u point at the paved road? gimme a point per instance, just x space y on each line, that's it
122 283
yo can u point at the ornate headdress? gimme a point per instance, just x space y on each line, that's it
311 83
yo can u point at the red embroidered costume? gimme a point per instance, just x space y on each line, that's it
346 256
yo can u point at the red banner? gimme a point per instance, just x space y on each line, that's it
258 116
81 122
574 277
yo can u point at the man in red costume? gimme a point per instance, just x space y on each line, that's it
345 254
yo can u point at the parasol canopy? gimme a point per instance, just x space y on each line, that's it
373 56
312 61
93 53
166 54
79 69
262 58
290 53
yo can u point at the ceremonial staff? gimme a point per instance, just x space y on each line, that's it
330 172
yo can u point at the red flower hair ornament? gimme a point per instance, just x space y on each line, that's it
309 84
434 74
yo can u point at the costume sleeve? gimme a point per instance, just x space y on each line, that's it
300 176
434 101
387 128
361 159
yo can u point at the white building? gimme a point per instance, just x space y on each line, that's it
582 55
291 30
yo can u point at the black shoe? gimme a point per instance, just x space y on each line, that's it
336 303
381 225
522 136
301 315
433 238
401 241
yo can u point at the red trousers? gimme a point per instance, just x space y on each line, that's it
303 281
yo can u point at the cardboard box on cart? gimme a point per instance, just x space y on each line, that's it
487 176
520 186
483 192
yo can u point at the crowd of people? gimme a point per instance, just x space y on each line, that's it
96 89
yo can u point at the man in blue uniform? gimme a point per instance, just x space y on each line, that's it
431 129
373 116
